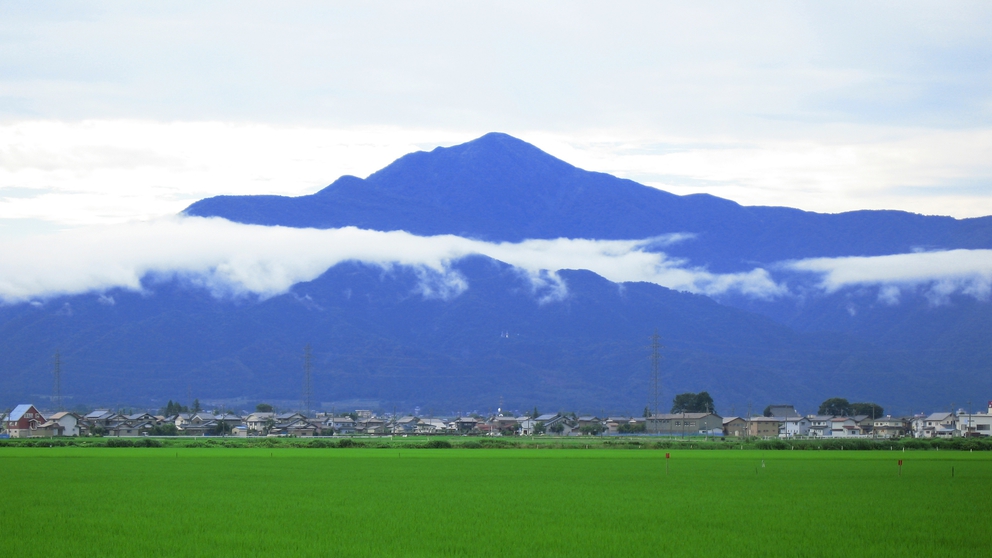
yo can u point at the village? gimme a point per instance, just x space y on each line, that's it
778 421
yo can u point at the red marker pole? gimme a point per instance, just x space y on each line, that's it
900 467
667 457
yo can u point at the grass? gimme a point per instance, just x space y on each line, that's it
438 502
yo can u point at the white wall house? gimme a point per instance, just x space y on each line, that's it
68 421
794 426
844 427
975 424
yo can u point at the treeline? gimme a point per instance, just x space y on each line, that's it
458 442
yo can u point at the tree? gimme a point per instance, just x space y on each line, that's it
693 403
263 408
268 425
539 428
173 408
628 428
534 413
221 429
647 412
196 406
767 412
592 429
167 429
835 406
558 428
873 410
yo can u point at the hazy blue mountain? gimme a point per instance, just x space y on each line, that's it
375 339
500 188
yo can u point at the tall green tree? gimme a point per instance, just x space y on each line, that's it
837 406
700 402
873 410
196 406
263 408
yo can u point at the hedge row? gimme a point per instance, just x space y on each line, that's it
961 444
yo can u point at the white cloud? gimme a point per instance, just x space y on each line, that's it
229 259
939 274
821 106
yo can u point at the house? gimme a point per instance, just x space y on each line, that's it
341 425
465 424
589 420
734 426
550 420
890 427
845 427
683 423
819 425
371 425
406 425
526 426
784 411
141 417
431 426
129 429
199 428
865 423
48 429
505 425
298 428
764 427
918 425
256 422
23 421
940 425
70 422
229 419
102 418
975 424
794 426
289 417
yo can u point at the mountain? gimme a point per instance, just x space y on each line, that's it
380 338
376 340
503 189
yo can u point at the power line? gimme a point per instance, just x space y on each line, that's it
656 371
307 391
57 395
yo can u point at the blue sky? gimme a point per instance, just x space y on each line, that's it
113 112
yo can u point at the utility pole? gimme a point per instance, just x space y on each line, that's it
57 395
307 392
656 372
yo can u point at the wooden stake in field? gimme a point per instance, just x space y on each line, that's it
900 467
667 457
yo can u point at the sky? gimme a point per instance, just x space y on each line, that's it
116 116
113 112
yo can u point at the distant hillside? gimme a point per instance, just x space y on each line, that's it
378 338
500 188
374 339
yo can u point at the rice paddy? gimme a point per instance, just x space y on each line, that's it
461 502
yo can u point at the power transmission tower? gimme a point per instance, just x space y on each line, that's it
57 395
656 372
307 391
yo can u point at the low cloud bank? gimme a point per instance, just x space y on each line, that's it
939 274
231 259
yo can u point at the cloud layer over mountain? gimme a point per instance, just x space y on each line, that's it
232 259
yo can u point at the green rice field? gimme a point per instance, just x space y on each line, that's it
101 502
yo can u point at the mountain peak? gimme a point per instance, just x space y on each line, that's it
493 158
